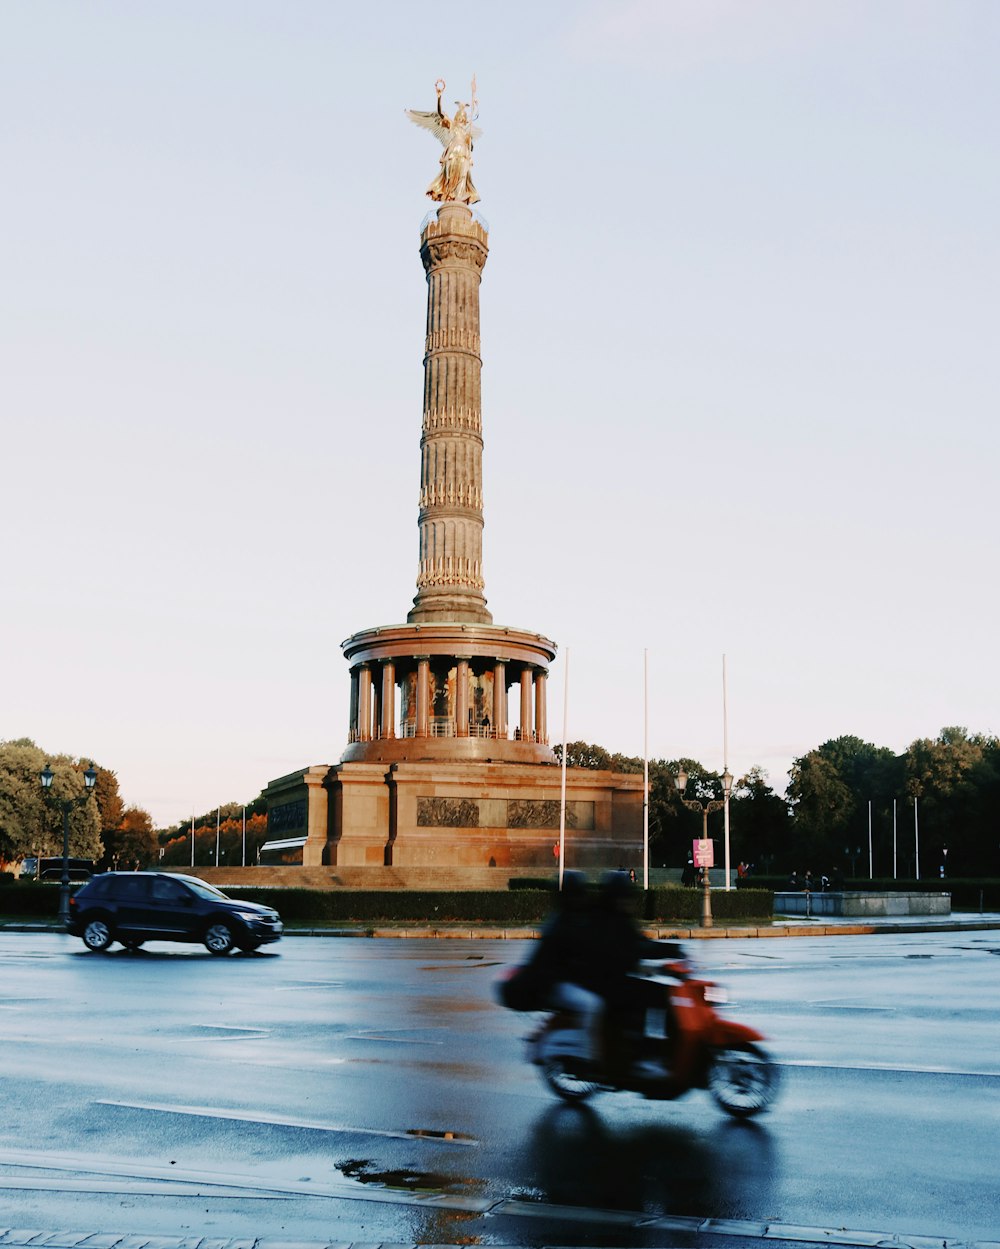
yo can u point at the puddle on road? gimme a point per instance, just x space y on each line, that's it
401 1179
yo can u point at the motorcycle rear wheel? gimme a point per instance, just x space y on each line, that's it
562 1080
743 1079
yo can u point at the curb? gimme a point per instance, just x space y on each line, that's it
483 932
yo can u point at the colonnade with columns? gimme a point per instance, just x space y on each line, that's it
432 696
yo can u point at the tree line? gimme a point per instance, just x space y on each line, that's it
103 828
115 836
932 808
218 837
938 802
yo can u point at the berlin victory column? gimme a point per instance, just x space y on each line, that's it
437 771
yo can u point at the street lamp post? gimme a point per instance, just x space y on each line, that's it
67 804
706 806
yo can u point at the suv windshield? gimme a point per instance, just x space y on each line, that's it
202 889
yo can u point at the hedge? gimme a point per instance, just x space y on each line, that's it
525 906
25 898
521 906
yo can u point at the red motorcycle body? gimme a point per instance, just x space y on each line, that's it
694 1047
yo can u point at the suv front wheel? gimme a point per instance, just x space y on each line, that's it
97 935
219 937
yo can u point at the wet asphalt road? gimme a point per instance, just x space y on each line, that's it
363 1090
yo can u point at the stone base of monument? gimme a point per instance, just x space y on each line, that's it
860 904
457 815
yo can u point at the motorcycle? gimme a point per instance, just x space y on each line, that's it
693 1048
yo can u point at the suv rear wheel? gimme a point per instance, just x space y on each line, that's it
97 935
219 937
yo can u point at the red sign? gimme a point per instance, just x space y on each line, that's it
703 852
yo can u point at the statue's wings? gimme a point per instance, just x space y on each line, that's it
434 122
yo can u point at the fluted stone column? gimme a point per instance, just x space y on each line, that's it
526 704
541 718
423 697
365 704
450 580
500 699
462 698
388 722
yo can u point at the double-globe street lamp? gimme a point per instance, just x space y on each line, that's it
67 804
706 806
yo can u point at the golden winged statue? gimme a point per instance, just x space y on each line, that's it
456 134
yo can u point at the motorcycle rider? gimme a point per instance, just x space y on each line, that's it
585 959
619 946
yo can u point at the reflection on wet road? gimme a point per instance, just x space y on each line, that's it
376 1087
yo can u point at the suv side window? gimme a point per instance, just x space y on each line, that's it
129 888
168 890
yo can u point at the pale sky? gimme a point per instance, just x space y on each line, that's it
740 382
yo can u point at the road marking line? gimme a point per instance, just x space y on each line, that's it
134 1188
393 1040
232 1032
895 1068
216 1112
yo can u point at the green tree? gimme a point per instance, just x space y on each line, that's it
31 821
583 755
761 825
22 811
955 778
822 807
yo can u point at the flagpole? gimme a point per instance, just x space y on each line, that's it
645 768
725 770
218 830
244 837
894 839
565 752
871 864
192 840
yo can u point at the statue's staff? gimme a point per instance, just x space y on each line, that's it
456 135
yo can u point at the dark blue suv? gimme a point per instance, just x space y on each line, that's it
133 907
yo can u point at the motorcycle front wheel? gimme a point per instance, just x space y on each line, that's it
557 1061
743 1079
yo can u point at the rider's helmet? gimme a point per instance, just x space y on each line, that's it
617 891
